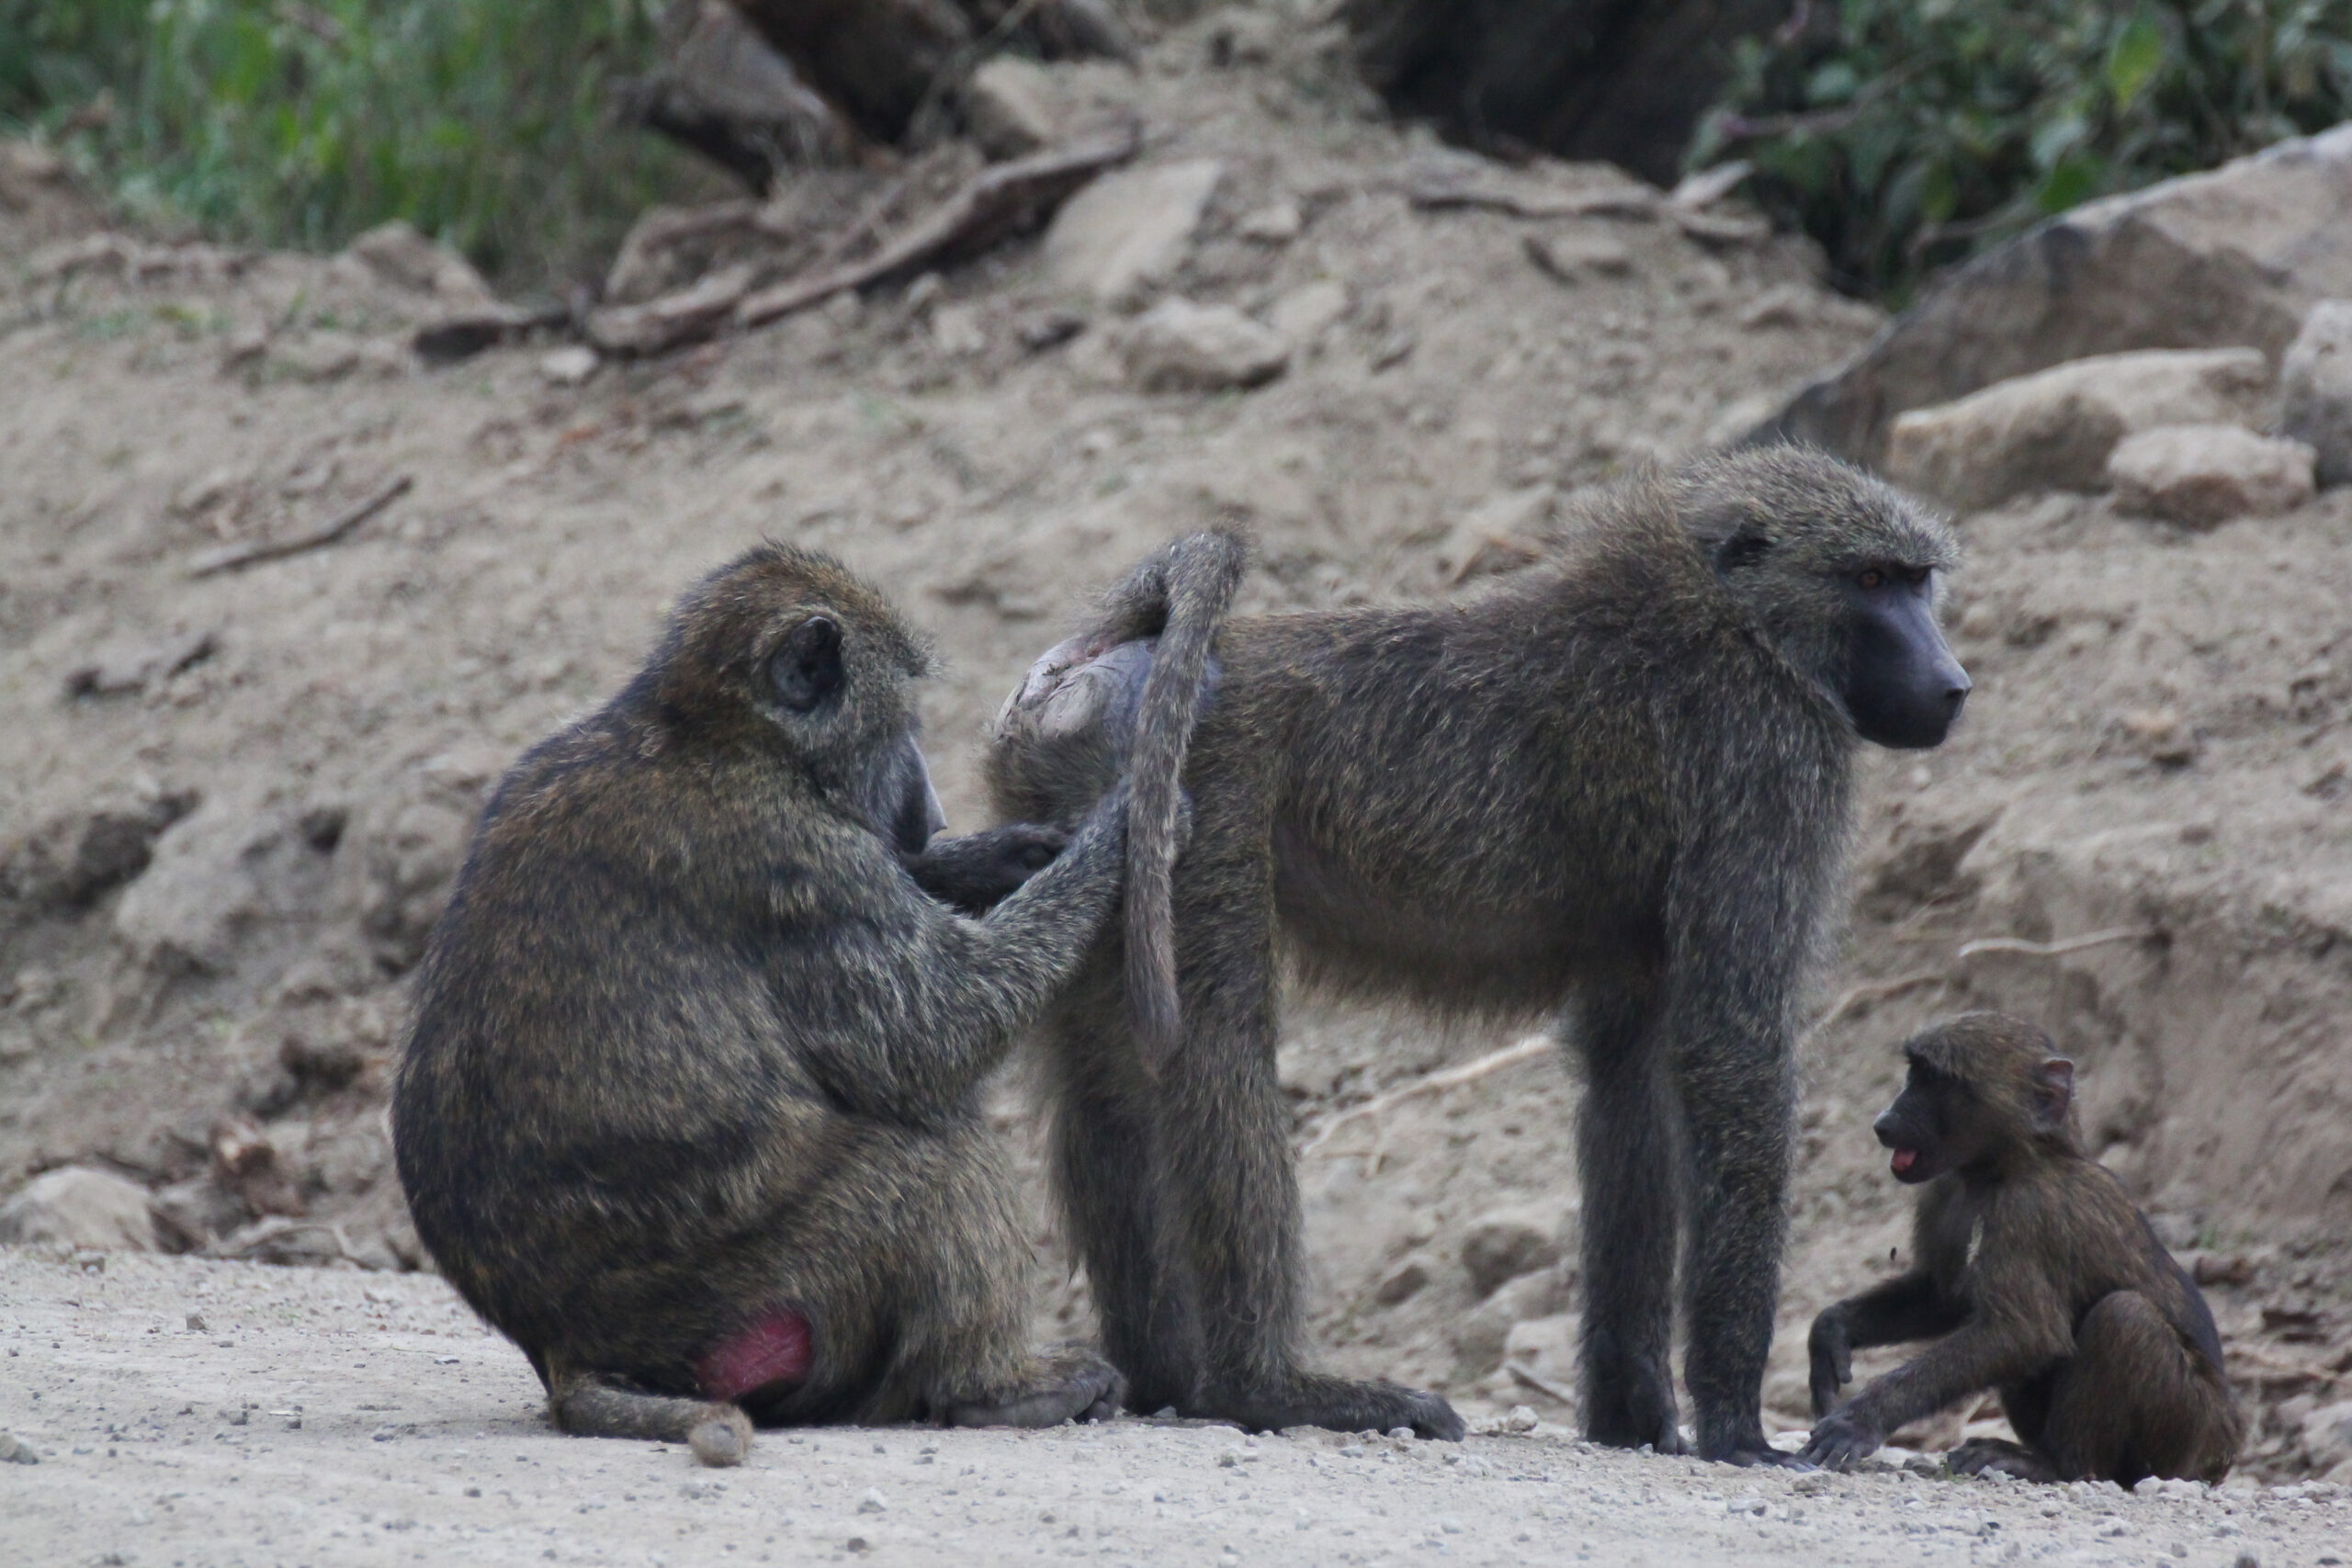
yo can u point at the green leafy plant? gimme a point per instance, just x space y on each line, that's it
302 121
1907 134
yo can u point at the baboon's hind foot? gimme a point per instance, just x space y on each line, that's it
1073 1385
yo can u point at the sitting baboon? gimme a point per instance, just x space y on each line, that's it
2035 1275
1615 786
689 1106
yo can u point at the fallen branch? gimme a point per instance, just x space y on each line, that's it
997 201
1527 1050
230 557
1540 1383
1621 202
1871 991
2056 949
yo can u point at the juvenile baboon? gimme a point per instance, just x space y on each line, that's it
2035 1275
1615 787
688 1109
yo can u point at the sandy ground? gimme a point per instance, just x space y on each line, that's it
340 1419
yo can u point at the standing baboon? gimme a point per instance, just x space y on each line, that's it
2035 1275
689 1107
1616 786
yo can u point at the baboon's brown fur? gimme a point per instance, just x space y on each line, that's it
2035 1275
689 1108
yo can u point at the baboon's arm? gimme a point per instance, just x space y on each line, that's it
2008 1344
1891 1313
900 1013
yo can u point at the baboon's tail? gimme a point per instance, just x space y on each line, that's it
588 1405
1198 575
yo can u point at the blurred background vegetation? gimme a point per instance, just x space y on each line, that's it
1903 134
1907 134
300 123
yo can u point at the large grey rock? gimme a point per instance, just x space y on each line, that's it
1178 347
2200 475
1128 232
2316 389
2054 430
79 1209
2234 256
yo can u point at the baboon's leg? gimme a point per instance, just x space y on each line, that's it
1630 1168
1109 1173
1226 1137
960 1299
589 1405
1738 1096
2130 1403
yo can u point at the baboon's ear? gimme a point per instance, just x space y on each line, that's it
2053 1093
806 668
1743 548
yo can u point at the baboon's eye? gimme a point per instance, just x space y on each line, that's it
807 667
1870 577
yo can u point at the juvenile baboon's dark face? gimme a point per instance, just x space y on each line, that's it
1980 1086
1929 1126
1841 571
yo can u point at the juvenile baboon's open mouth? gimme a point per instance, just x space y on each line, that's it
1903 1160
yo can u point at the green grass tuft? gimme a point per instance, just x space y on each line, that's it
301 122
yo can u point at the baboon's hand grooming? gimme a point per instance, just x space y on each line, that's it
2035 1275
689 1106
1616 789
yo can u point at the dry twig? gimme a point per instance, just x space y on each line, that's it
1527 1050
1540 1383
230 557
2056 949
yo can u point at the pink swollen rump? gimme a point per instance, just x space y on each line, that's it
775 1349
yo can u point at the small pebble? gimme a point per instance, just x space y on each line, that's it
870 1502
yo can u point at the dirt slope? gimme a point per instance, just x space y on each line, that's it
2157 745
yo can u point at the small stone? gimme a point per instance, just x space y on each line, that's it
1401 1434
2315 389
2201 474
122 668
1518 1418
1177 346
396 253
1506 1244
1811 1484
1308 312
1402 1283
195 1323
1007 107
16 1450
78 1209
1574 258
870 1502
1128 232
1277 224
955 331
569 367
